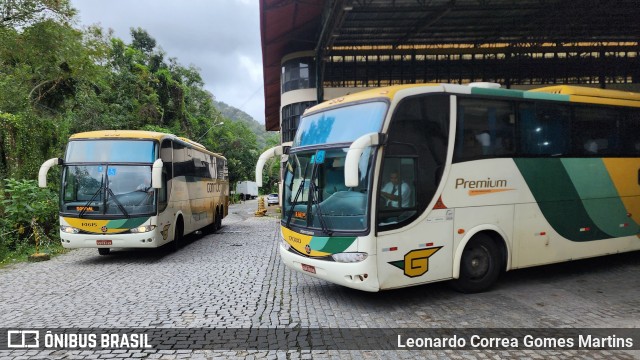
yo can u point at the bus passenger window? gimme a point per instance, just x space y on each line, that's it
630 134
544 129
485 128
595 130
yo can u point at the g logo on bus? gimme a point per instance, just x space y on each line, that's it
416 262
104 229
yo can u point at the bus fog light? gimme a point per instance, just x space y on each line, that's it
69 229
143 229
351 257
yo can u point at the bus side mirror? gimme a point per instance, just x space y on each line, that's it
274 151
352 160
44 169
156 174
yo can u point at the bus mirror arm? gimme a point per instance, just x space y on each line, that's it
274 151
355 152
156 174
44 169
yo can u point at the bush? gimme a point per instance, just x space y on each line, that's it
25 205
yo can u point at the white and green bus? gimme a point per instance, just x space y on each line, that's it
137 189
486 180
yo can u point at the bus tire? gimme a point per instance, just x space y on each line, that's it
479 265
211 228
178 234
219 219
104 251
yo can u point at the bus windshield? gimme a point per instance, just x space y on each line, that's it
314 194
114 151
340 125
116 190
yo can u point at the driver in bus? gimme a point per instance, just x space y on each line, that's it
145 186
396 192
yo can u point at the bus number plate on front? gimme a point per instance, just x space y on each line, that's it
309 268
103 242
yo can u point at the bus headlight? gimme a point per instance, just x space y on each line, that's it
350 257
285 244
142 229
69 229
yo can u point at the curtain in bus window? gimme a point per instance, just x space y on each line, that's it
181 162
221 169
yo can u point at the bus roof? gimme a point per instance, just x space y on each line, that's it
122 134
593 95
555 93
138 134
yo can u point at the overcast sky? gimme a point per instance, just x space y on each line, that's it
220 37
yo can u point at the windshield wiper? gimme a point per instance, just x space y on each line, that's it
314 199
295 198
115 200
86 206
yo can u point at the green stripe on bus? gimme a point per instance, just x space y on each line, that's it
545 96
497 92
331 245
600 196
558 199
117 224
134 222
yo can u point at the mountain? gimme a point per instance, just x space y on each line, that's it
236 114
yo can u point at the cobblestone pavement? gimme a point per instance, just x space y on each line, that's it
234 279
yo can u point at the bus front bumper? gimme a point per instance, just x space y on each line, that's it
361 275
128 240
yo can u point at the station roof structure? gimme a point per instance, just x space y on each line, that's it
400 26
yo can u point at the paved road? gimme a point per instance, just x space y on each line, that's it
234 279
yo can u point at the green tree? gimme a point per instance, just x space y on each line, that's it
21 13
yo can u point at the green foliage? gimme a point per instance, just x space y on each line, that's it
16 13
25 201
24 206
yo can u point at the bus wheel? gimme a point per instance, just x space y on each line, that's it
178 235
104 251
479 265
219 220
211 228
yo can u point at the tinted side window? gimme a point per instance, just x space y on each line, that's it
415 153
630 134
485 128
166 154
544 129
595 131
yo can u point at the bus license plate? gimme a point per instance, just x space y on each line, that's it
103 242
309 268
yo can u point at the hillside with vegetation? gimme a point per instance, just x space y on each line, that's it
57 80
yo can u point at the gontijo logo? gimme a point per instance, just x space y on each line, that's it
483 187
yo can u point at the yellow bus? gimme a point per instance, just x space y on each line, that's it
406 185
137 189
